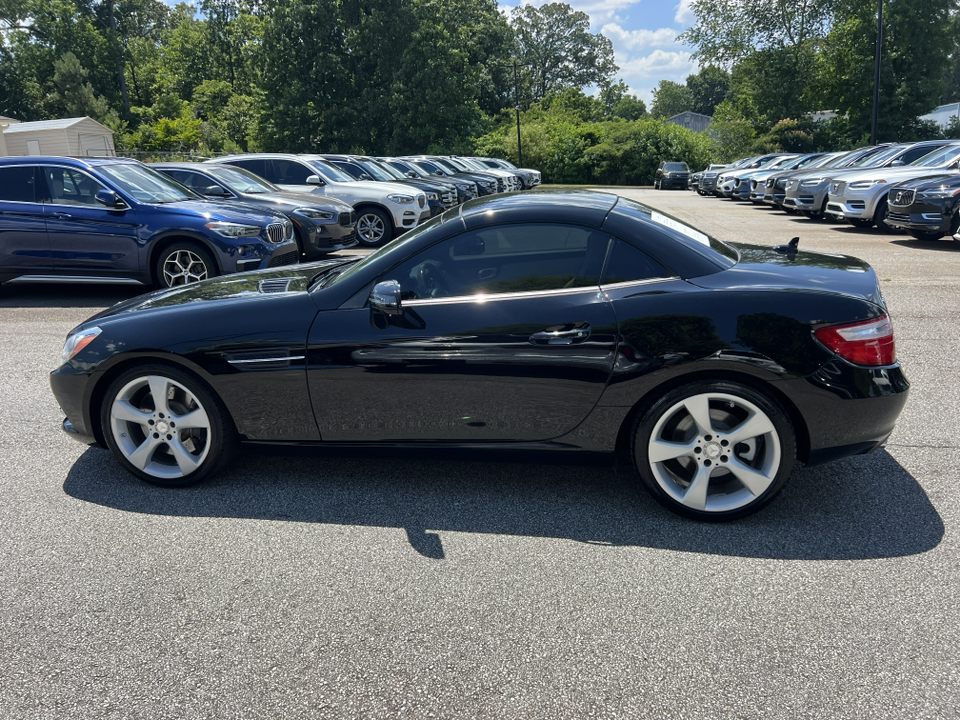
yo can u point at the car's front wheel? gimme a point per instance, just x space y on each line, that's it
166 426
184 263
714 450
374 227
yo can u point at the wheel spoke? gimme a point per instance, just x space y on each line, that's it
661 450
699 408
754 426
755 481
158 388
185 461
194 420
122 410
696 495
140 457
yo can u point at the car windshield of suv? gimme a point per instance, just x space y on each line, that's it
146 185
242 181
675 167
939 157
474 165
328 172
433 169
389 169
375 171
405 167
880 157
783 162
454 165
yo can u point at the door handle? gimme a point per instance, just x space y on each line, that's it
567 334
62 216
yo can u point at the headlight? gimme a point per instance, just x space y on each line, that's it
78 341
666 174
401 199
433 196
864 184
233 230
938 193
315 214
812 181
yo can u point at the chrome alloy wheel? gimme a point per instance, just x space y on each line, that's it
371 228
160 427
182 267
714 452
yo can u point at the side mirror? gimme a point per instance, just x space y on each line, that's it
110 199
385 297
412 174
364 176
215 191
897 163
314 180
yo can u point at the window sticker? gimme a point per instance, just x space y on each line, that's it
679 227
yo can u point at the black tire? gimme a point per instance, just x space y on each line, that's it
143 434
861 223
374 227
183 263
925 236
880 217
701 474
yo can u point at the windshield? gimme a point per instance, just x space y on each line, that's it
783 162
880 157
405 166
672 167
474 165
242 181
328 172
939 157
389 170
434 168
147 185
377 172
396 249
826 160
452 164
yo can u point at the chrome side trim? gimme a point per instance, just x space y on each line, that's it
632 283
284 359
74 279
480 298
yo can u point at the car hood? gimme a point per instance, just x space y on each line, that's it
223 289
888 174
287 201
221 211
763 268
944 180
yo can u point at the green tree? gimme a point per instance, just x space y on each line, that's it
670 98
618 103
557 49
75 96
708 88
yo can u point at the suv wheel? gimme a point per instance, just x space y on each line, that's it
374 227
184 263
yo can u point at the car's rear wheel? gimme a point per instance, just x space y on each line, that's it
374 227
714 450
183 263
166 426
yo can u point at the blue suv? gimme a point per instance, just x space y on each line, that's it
116 220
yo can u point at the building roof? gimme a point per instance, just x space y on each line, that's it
62 124
690 113
4 119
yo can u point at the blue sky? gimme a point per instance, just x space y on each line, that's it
644 35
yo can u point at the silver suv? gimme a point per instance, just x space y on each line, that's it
807 192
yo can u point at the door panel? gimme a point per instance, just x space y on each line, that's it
507 368
24 246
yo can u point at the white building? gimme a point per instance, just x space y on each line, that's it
943 114
80 137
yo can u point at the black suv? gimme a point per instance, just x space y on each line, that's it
672 174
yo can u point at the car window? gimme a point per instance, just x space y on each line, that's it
195 181
258 166
916 153
675 167
18 184
629 264
289 172
505 259
71 187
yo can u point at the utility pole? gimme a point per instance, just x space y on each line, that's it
876 74
516 98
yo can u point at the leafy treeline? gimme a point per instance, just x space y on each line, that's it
405 76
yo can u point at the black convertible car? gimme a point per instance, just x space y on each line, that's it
574 321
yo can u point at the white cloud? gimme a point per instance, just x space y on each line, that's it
644 73
685 14
600 11
634 39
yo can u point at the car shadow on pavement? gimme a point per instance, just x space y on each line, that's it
66 295
944 244
865 507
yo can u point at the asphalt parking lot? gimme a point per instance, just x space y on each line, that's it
359 585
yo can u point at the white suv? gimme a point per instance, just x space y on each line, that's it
384 209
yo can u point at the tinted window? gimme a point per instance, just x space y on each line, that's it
289 172
18 184
916 153
673 167
258 166
628 264
505 259
71 187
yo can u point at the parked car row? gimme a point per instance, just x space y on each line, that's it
907 186
168 224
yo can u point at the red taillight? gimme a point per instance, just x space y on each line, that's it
864 343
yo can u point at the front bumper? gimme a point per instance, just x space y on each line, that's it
847 204
923 216
674 181
806 198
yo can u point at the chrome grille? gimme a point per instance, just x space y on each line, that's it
753 184
781 183
898 217
448 198
902 197
770 182
276 232
421 200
